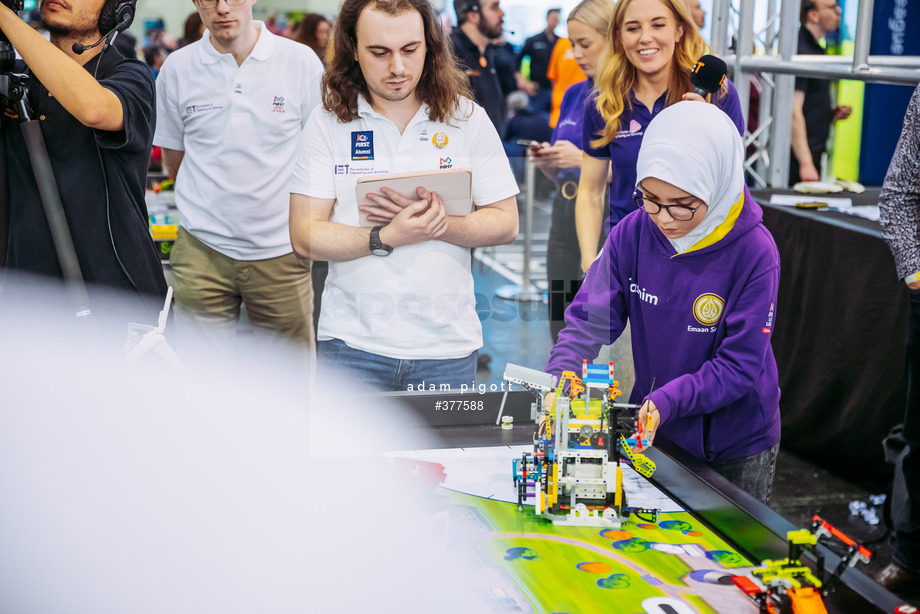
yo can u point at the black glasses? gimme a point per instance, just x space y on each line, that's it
210 4
681 213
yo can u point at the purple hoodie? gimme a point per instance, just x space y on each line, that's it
701 325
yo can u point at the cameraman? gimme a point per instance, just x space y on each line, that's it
97 117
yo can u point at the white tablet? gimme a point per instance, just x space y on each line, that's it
453 185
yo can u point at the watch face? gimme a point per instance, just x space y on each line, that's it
379 251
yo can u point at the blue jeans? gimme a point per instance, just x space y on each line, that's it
384 373
754 474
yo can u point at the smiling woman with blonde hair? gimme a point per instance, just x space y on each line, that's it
652 45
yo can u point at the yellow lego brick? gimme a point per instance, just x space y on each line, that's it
164 232
802 537
552 493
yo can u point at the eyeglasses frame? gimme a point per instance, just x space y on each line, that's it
639 198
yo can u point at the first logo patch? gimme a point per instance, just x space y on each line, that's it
362 145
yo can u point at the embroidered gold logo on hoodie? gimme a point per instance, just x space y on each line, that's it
707 308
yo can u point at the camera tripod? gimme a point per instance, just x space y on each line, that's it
14 96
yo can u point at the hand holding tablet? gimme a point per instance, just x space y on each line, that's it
422 220
381 197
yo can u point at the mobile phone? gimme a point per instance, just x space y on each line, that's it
530 144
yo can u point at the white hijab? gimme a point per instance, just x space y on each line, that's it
696 147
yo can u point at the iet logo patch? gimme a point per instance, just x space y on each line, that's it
362 145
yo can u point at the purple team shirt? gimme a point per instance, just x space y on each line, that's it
701 324
623 151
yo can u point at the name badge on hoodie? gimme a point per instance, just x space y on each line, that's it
362 145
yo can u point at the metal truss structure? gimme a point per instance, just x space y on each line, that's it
771 64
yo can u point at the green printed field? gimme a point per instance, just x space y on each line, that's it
676 565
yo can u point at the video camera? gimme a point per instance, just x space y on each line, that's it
14 5
7 55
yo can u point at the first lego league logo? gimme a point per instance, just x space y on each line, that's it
362 145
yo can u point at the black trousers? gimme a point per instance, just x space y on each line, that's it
907 553
563 257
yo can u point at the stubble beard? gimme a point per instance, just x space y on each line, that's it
392 97
77 31
490 31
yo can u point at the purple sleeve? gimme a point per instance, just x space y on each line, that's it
571 105
594 123
729 103
596 317
739 359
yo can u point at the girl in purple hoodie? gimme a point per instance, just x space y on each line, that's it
695 272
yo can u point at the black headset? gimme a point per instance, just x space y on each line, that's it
116 14
462 7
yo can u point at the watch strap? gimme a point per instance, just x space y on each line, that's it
376 245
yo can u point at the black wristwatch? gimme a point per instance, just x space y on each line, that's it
378 248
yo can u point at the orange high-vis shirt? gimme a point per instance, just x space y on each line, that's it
563 71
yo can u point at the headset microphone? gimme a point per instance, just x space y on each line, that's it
708 75
108 37
79 49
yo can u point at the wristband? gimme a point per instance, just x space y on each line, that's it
912 278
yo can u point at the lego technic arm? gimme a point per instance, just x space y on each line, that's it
535 381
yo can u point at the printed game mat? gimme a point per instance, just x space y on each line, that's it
674 566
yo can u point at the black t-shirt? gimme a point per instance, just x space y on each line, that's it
483 76
505 65
539 48
817 108
75 161
528 125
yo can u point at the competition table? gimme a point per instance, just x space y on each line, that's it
839 336
750 528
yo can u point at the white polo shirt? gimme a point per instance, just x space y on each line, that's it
418 302
239 127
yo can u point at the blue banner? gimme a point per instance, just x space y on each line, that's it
894 32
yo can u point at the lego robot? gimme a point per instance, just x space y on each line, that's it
574 474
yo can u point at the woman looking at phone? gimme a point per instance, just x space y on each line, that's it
560 160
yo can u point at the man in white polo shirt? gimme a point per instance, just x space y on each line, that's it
230 110
398 306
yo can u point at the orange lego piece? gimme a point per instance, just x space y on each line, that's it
806 600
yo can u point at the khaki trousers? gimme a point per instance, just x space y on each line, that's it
210 288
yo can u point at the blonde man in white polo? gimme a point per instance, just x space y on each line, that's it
230 110
398 306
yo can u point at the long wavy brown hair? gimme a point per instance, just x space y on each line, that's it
305 32
441 84
616 76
